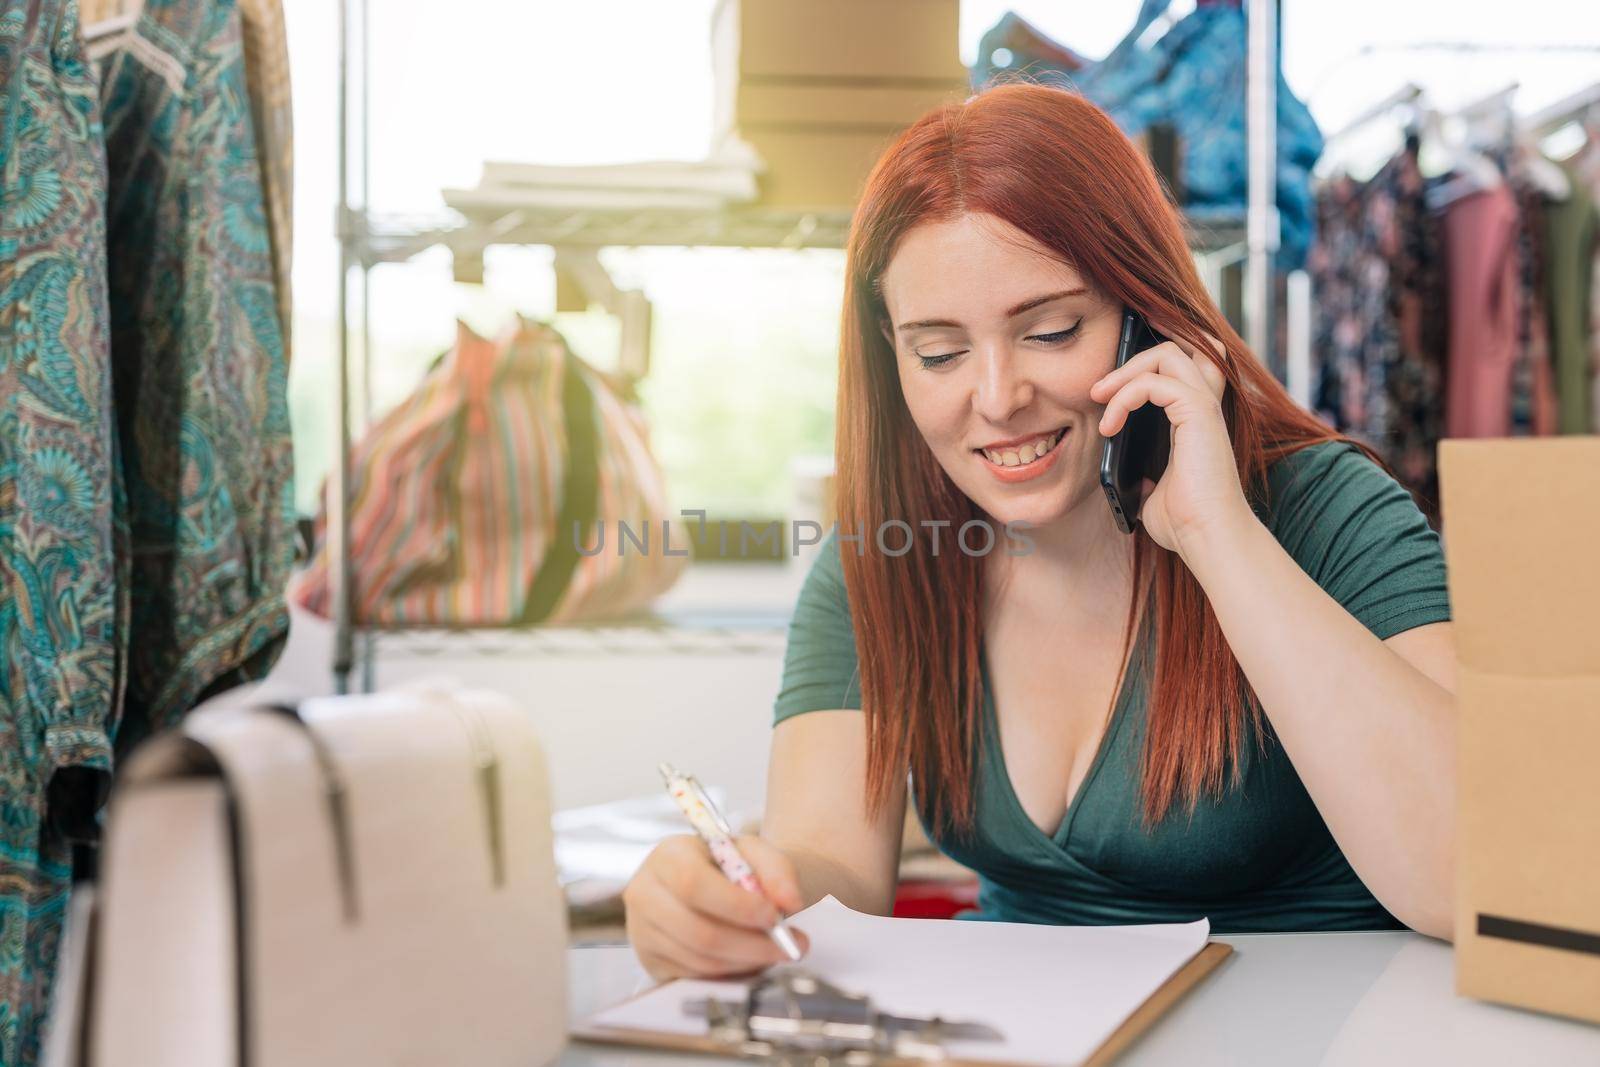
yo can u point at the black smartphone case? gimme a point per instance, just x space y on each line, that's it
1140 449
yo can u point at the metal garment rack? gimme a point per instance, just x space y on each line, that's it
367 240
1261 149
1548 119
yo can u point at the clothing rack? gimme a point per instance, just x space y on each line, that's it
1407 95
1552 117
1261 149
1491 107
367 240
1411 95
1481 146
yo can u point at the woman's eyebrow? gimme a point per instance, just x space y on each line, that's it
1026 305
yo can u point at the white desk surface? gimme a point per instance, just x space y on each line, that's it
1361 999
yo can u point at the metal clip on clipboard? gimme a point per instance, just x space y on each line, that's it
791 1016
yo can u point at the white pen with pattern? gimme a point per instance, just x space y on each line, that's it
718 836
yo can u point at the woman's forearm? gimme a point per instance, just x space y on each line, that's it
1371 736
820 877
817 812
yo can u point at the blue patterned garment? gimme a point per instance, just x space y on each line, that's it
1193 77
146 511
201 377
59 624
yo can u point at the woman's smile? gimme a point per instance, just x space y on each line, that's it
1025 459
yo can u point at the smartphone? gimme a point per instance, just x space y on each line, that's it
1140 449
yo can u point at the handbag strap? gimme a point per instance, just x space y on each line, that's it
336 799
580 501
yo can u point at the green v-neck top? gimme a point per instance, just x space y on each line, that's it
1257 858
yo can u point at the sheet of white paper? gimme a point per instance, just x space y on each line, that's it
609 841
1055 993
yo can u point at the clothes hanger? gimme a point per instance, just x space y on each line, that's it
1493 122
1407 95
108 25
1487 121
1570 108
103 19
1569 129
1540 171
1404 103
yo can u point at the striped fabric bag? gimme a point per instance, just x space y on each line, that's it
465 497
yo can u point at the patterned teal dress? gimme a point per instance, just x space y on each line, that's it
201 379
60 629
145 496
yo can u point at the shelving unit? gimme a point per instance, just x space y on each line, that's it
576 235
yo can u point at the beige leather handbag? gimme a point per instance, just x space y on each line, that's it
359 880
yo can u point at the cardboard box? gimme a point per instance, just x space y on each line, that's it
875 40
891 105
819 143
1522 543
819 87
817 169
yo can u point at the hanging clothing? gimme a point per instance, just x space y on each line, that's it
93 12
1481 265
1594 330
1414 383
1533 388
1355 337
144 435
201 381
59 608
1014 44
1192 77
1379 331
1573 227
1584 169
266 65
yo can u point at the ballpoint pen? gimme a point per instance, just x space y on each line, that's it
718 836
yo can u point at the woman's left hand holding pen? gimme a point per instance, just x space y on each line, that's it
685 919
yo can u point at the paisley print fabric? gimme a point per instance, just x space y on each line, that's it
58 596
266 64
1377 269
1356 338
1414 381
145 499
197 346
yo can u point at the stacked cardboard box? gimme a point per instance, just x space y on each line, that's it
820 87
1522 541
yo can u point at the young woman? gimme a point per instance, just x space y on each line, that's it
1242 711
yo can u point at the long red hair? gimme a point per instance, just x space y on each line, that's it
1056 167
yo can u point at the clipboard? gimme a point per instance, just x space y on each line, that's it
1207 960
